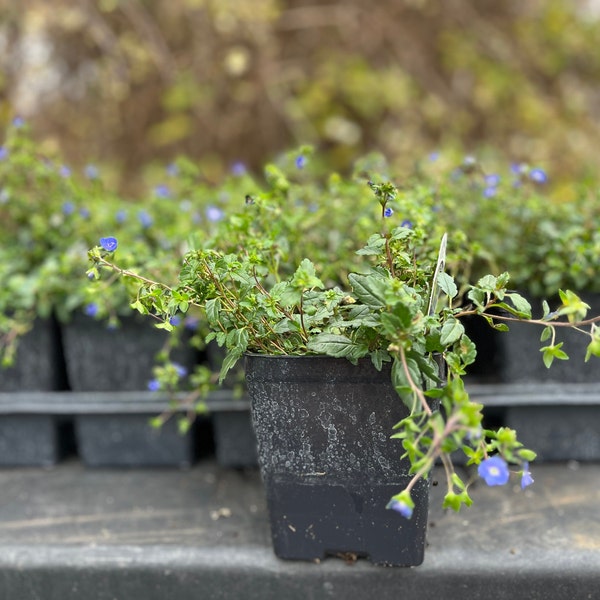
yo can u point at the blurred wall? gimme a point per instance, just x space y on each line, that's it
130 82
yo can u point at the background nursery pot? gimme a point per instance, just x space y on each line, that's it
110 361
323 428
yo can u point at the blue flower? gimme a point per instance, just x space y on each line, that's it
91 172
68 208
84 212
172 170
3 152
238 169
406 223
490 192
181 370
526 478
109 243
402 503
162 191
64 171
388 212
121 216
494 470
154 385
492 180
300 161
214 213
538 176
144 218
434 156
175 321
91 310
18 122
191 323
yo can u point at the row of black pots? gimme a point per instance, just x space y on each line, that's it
68 391
97 359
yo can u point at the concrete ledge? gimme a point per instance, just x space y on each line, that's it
71 532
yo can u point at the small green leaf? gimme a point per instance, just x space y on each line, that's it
522 307
446 284
452 330
546 334
339 346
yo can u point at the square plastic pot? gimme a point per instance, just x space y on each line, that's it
99 358
521 359
327 461
128 440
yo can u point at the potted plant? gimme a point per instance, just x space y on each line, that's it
545 234
55 333
312 351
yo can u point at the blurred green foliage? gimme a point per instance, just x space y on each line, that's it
127 83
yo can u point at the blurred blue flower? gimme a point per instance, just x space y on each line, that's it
494 471
144 218
490 192
121 216
91 310
181 370
175 321
388 212
109 243
68 208
64 171
91 172
172 170
434 156
18 122
526 478
162 191
84 212
406 223
492 180
3 152
401 507
238 169
214 213
300 161
191 323
154 385
538 175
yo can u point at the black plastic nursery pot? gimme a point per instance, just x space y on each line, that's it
234 439
31 439
323 429
102 359
521 359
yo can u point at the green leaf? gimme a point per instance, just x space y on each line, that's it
339 346
228 363
522 307
369 289
552 352
546 334
527 455
452 330
212 308
305 277
446 284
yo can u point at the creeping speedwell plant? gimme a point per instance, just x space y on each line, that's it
403 308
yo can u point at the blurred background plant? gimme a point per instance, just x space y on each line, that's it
129 84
